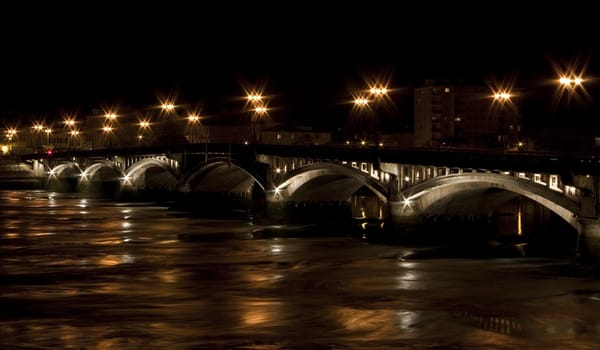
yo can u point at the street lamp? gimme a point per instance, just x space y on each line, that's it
361 103
570 84
107 130
73 134
38 128
167 106
193 123
369 101
69 122
48 131
144 125
500 111
378 93
258 108
259 113
11 133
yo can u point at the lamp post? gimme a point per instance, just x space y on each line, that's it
11 134
258 109
37 142
172 128
144 125
69 123
194 124
571 84
74 133
259 113
370 101
107 130
48 131
378 93
506 114
361 103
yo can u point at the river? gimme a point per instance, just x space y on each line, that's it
96 274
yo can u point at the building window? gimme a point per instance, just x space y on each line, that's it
278 136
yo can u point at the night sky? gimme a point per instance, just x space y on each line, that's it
307 61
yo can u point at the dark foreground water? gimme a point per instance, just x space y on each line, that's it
82 274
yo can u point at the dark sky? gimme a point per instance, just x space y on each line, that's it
306 59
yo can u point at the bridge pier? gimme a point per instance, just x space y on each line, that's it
588 243
402 215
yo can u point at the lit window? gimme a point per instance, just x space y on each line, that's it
554 183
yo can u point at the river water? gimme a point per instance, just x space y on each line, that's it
97 274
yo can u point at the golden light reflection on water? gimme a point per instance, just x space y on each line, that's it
68 335
407 281
108 241
105 260
258 277
40 234
370 324
112 260
275 248
260 312
169 275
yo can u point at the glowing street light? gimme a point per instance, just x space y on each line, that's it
110 116
108 130
74 133
48 131
144 125
505 112
570 81
254 98
361 102
256 105
502 96
571 86
257 117
11 133
193 118
167 106
378 92
193 127
69 122
260 110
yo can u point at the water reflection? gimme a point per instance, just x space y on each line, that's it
125 275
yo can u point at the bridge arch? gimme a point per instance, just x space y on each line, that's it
422 197
150 174
219 175
64 177
324 181
221 186
100 179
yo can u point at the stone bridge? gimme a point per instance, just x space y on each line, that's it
409 186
